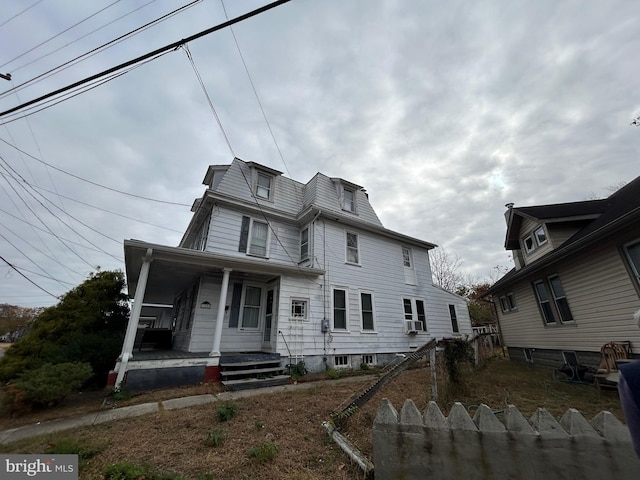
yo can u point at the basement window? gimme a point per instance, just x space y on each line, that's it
341 361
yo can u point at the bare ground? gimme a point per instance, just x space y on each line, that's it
174 440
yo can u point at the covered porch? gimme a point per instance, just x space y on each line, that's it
192 308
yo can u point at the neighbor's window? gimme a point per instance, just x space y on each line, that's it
366 306
304 244
263 186
560 299
352 248
543 300
339 309
541 237
632 252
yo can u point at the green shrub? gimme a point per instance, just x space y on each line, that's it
134 471
227 411
265 452
297 370
47 385
334 374
215 437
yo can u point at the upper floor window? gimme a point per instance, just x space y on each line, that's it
541 236
528 243
508 302
304 244
264 186
349 200
409 270
254 237
352 248
535 239
454 319
414 314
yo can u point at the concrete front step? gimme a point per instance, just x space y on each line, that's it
251 371
248 383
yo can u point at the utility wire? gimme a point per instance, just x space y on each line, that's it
94 183
141 58
185 47
27 278
58 34
96 50
20 13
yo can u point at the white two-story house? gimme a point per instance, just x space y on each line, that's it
285 271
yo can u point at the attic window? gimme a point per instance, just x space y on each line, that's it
528 243
541 236
264 186
349 200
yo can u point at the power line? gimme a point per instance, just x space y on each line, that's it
141 58
27 278
20 13
96 50
92 182
58 34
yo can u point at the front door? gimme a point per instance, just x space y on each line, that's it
269 312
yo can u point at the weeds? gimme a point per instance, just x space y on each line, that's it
134 471
265 452
227 411
215 437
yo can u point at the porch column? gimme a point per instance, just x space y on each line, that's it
134 316
217 336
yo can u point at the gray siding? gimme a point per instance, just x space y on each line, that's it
601 296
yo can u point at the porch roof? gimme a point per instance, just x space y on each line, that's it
173 268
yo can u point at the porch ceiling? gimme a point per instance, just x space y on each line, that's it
173 269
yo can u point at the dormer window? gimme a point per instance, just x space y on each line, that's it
264 185
528 243
541 236
349 200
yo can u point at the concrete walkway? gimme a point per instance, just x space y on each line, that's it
102 416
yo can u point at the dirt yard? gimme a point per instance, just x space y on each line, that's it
174 441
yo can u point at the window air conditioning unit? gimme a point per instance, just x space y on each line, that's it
413 326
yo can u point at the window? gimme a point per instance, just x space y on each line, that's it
543 301
304 244
528 244
560 299
541 237
339 309
341 361
632 252
528 355
349 200
251 307
512 302
369 359
366 311
409 271
454 319
352 248
263 186
253 237
299 309
508 303
414 314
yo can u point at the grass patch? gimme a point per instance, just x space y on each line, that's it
215 437
227 410
133 471
265 452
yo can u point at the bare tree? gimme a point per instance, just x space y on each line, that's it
445 269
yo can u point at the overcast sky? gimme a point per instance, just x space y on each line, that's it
443 111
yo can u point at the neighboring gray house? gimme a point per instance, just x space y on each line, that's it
576 283
306 272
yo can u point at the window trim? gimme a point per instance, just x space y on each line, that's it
374 328
346 246
346 310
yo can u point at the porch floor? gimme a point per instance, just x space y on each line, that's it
152 354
